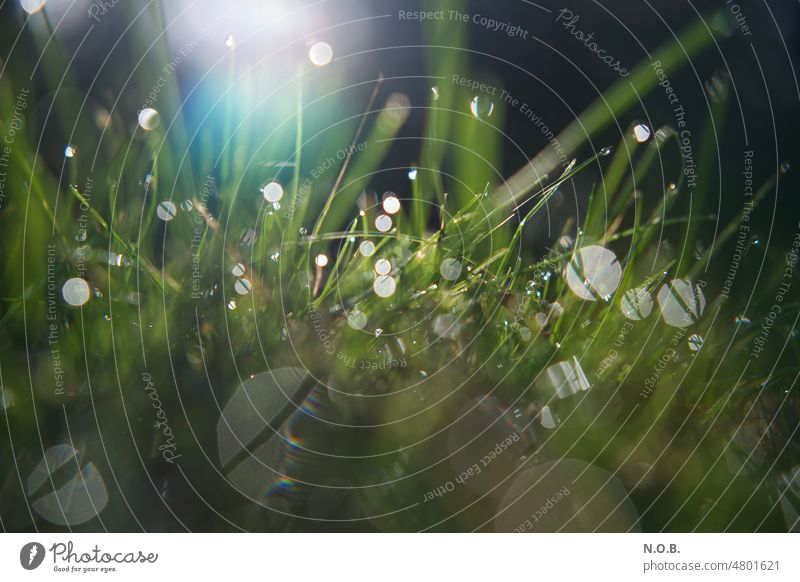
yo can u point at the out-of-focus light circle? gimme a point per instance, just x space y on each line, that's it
272 192
149 119
166 211
384 286
641 132
391 204
383 267
32 6
70 151
321 260
320 54
366 248
383 223
76 291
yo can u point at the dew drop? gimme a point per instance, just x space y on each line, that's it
450 269
594 272
384 286
272 192
320 54
70 151
435 91
742 320
167 210
231 304
391 203
366 248
187 205
242 286
357 319
636 304
149 119
230 42
412 174
238 270
784 167
481 107
383 267
383 223
695 342
605 151
76 291
641 132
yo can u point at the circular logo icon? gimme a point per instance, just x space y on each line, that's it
31 555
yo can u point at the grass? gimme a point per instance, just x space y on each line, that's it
487 335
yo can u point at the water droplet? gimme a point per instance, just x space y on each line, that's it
605 151
76 291
32 6
383 223
275 256
320 54
641 133
70 151
636 304
238 270
567 378
321 260
77 501
785 167
303 231
230 42
383 267
695 342
681 303
742 320
594 272
167 210
546 418
149 119
242 286
447 326
412 174
450 269
366 248
384 286
231 304
481 107
391 203
187 205
272 192
357 319
435 91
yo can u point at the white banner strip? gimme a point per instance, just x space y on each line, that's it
400 557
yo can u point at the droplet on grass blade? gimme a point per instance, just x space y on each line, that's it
636 304
641 133
70 151
594 273
481 107
167 210
681 303
321 260
242 286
